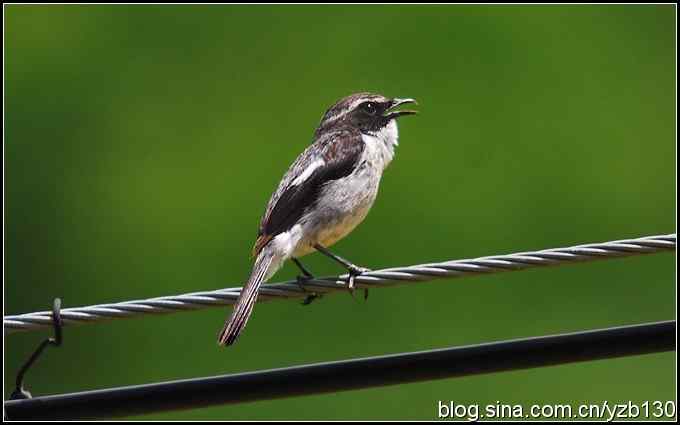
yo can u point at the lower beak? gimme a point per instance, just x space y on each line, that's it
391 113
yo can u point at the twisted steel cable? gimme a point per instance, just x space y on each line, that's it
377 278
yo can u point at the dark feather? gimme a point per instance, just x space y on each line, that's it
261 242
340 150
246 299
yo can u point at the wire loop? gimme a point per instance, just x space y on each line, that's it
20 392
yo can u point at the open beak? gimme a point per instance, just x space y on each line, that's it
391 113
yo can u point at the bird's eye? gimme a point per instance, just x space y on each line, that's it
369 107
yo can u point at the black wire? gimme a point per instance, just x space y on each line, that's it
351 374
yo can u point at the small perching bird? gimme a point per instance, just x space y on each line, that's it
324 195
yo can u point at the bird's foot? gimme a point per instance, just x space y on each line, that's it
312 295
355 271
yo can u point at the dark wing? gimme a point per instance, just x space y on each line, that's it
332 156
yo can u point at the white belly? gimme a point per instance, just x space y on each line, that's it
341 207
344 203
331 234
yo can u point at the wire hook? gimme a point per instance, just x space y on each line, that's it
20 392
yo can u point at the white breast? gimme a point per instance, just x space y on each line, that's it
380 145
344 203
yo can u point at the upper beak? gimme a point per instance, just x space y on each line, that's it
391 113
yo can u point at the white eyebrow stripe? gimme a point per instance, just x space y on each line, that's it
365 99
308 172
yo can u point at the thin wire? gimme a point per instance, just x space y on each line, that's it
374 279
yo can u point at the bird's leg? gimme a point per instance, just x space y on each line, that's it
353 269
306 275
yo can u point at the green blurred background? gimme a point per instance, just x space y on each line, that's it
143 142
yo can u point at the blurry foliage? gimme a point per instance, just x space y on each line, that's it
143 142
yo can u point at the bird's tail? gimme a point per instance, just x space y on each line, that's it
265 265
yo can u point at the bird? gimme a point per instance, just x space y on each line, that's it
324 195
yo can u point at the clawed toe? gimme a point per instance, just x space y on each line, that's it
310 298
301 279
355 271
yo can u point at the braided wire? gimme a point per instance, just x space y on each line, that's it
377 278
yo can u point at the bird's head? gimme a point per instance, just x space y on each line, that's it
368 112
